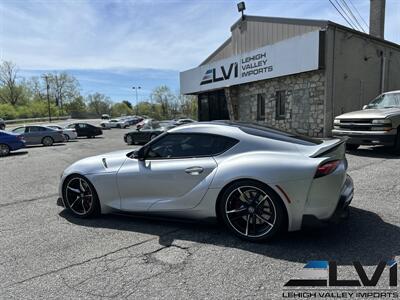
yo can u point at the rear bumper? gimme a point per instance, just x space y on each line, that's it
387 138
341 211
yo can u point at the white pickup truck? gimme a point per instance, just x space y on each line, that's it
378 123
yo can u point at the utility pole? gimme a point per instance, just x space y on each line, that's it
46 77
136 88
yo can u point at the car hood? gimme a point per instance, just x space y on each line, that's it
371 113
104 163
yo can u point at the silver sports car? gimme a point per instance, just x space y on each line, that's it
259 181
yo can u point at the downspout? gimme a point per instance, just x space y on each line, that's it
383 71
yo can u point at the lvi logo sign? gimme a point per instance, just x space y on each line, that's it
317 269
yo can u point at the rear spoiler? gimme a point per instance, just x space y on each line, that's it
329 146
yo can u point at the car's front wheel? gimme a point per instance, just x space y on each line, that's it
252 211
4 150
80 197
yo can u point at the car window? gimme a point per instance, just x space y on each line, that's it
181 145
19 130
36 129
82 125
385 101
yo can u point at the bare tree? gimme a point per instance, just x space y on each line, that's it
64 87
12 91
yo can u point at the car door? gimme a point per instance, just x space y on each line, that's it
33 135
176 173
23 132
83 129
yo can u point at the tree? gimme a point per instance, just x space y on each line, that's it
99 104
163 96
11 91
188 106
76 105
127 103
63 87
119 109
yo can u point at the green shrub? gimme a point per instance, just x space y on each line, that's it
7 112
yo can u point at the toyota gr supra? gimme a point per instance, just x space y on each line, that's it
258 181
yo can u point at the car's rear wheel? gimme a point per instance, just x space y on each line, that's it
4 150
352 147
129 140
80 197
47 141
66 137
252 211
119 126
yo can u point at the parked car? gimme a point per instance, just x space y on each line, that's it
184 121
143 123
10 141
115 123
69 133
35 135
2 124
105 117
133 120
148 132
259 181
85 129
378 123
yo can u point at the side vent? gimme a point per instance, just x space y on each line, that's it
104 162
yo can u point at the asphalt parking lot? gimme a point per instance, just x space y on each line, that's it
45 252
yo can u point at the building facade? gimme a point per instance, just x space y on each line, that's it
293 74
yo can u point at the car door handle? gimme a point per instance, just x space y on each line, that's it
194 170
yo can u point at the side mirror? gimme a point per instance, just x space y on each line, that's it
140 154
365 107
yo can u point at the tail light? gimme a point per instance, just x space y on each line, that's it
327 168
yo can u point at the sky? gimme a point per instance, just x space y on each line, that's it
112 45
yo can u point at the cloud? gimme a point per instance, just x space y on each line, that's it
133 38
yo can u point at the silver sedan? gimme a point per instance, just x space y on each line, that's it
35 135
258 181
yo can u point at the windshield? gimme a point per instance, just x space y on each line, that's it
385 101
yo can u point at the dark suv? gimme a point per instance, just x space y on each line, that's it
2 124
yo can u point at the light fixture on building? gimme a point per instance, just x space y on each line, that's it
241 8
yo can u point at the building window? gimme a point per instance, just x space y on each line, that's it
280 105
260 107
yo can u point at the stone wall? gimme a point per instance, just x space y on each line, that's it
305 94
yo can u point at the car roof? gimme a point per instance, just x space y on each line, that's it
236 129
393 92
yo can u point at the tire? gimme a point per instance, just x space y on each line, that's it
66 137
47 141
129 140
2 127
397 142
80 197
119 126
4 150
252 211
352 147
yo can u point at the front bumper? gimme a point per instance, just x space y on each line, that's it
386 138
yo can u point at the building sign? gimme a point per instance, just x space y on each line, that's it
290 56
